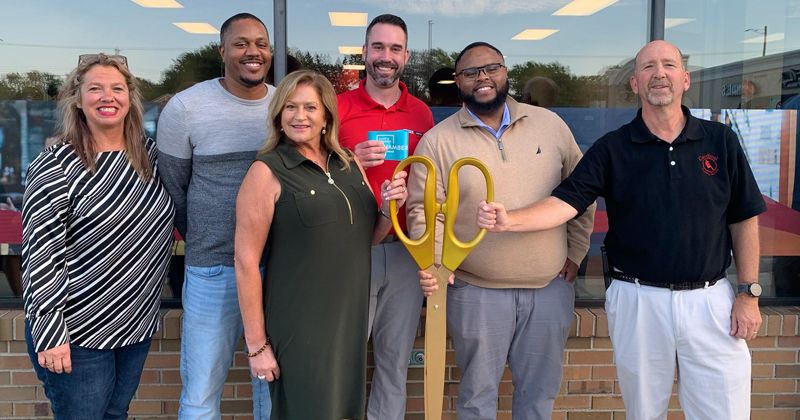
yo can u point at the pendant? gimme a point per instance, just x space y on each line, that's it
330 180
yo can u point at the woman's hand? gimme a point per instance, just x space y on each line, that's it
394 190
264 366
57 359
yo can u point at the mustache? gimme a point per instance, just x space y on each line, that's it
384 64
665 82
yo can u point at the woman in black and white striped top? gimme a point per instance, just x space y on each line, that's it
97 236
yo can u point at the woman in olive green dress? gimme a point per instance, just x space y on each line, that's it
308 201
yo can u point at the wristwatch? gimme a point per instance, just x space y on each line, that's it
752 289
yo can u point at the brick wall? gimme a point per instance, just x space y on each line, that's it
589 390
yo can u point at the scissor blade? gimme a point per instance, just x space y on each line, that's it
435 345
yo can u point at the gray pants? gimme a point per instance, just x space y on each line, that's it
395 301
527 327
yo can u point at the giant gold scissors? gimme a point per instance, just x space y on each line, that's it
453 253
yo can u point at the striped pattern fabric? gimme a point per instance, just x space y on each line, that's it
96 249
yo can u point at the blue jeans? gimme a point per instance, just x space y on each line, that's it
101 385
212 327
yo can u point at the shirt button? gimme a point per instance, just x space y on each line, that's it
670 148
672 163
384 123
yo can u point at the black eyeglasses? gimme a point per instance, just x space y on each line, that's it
92 58
473 72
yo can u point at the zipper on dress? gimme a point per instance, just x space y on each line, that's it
332 182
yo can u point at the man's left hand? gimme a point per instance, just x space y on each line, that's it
570 271
745 317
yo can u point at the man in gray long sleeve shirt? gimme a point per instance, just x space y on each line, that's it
208 135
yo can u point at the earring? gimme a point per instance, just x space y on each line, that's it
281 129
324 130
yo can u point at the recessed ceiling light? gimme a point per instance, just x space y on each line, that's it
584 7
673 22
446 82
196 27
348 19
161 4
354 67
349 50
760 39
534 34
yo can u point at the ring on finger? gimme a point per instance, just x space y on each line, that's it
262 377
48 364
404 190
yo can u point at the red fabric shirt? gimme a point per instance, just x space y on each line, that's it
359 114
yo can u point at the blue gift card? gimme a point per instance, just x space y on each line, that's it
396 143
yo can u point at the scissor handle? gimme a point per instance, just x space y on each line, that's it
453 250
422 249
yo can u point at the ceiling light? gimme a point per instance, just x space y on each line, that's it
534 34
446 82
349 50
584 7
348 19
161 4
760 39
354 67
673 22
196 27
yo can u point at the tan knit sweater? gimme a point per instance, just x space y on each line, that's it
539 153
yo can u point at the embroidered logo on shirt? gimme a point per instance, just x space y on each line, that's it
539 150
709 164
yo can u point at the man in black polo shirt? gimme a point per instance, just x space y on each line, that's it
680 196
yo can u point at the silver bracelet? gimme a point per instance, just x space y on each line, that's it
383 213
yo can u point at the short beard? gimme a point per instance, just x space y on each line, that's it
656 101
485 107
383 80
251 82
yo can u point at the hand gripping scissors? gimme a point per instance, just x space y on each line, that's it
453 253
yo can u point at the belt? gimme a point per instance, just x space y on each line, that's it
618 275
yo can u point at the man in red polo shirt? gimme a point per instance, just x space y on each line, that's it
382 103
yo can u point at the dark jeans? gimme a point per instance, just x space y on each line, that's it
101 385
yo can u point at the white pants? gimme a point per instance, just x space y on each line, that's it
653 329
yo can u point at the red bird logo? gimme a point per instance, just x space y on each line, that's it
708 164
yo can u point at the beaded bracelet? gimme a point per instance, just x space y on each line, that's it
256 353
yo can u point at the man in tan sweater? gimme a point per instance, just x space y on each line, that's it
512 298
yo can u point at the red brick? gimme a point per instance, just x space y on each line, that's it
159 392
156 360
577 372
774 356
601 343
787 371
788 341
607 402
586 322
604 372
601 326
675 415
772 415
244 391
763 371
558 416
504 402
572 401
773 386
761 401
25 378
149 376
594 357
173 346
18 347
172 324
579 343
5 378
787 400
588 415
171 407
19 393
761 341
15 362
591 387
6 409
237 406
145 407
415 404
6 325
170 376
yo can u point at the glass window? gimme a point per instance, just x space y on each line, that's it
744 60
169 46
571 60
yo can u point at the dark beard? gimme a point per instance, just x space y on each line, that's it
380 80
485 107
252 82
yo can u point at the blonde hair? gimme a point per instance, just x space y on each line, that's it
287 86
73 129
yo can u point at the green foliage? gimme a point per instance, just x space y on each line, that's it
32 86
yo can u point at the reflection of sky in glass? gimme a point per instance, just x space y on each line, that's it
715 35
48 35
586 44
145 35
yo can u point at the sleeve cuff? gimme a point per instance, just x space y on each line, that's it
746 213
48 331
569 200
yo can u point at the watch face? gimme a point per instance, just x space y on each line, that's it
755 289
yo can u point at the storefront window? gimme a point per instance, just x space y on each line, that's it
169 44
744 60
